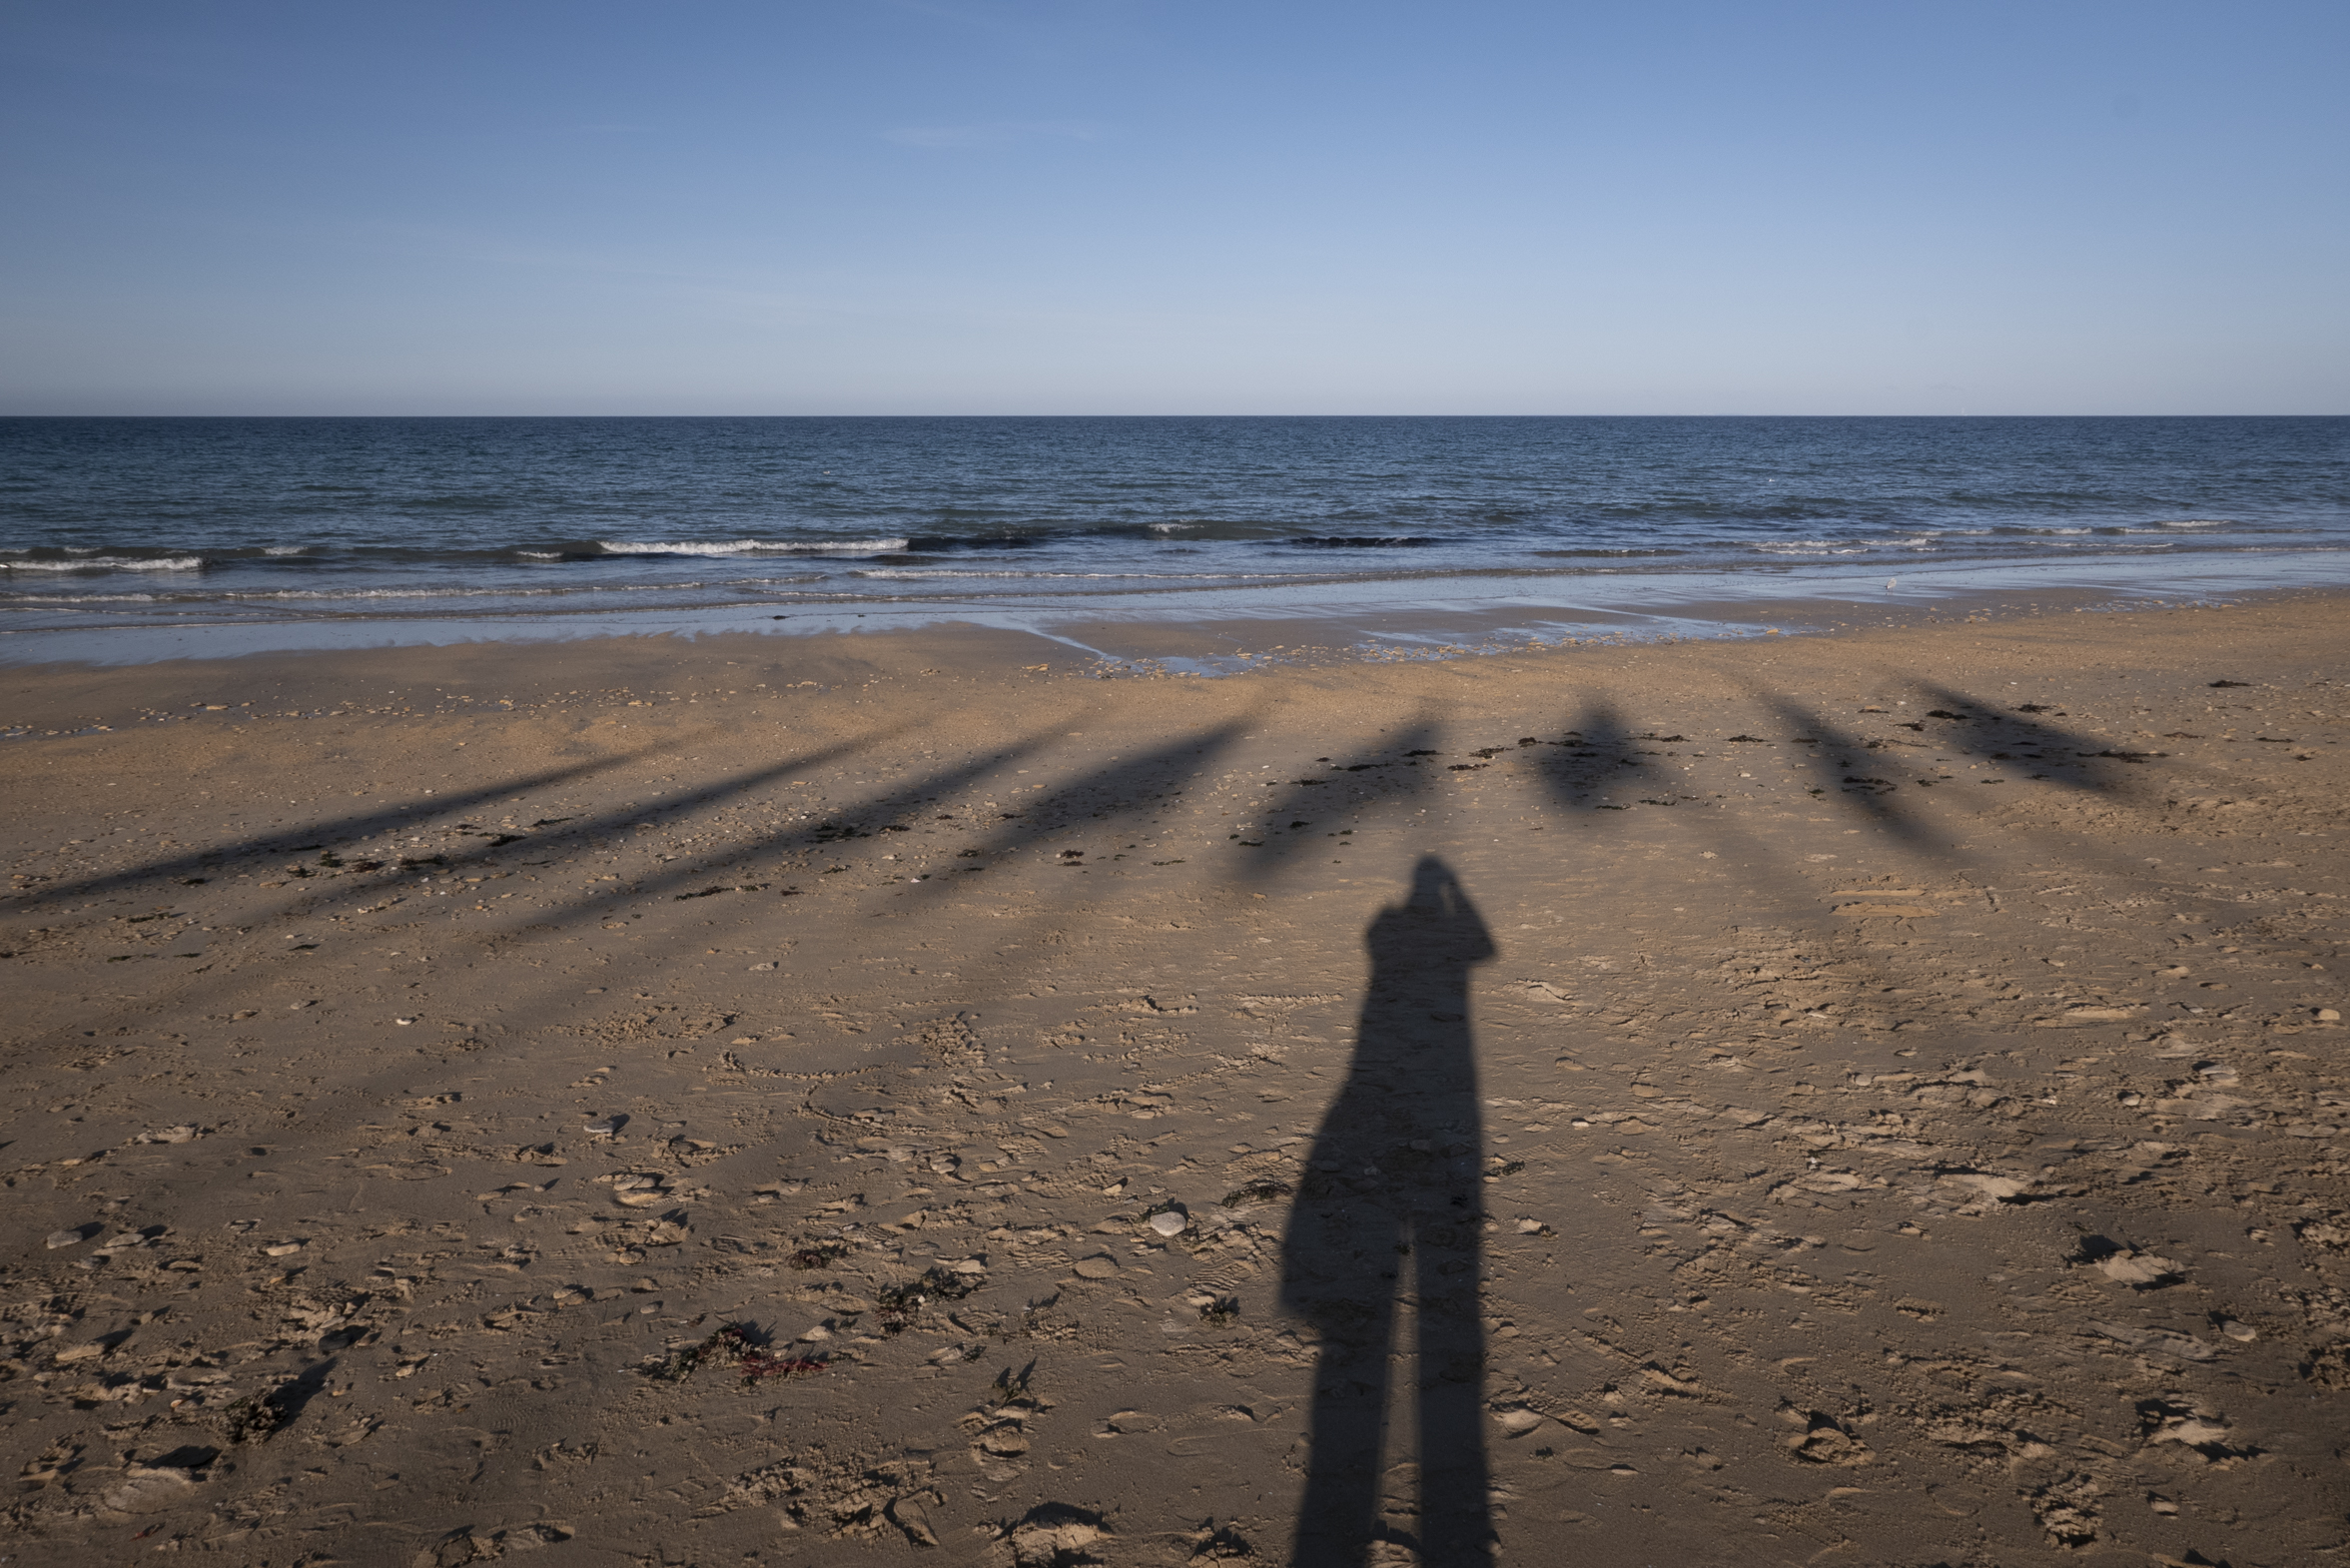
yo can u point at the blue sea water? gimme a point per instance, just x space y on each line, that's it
231 534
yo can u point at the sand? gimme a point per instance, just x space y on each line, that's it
1871 1097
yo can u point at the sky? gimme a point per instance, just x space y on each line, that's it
1144 207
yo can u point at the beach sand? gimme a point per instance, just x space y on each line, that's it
1871 1097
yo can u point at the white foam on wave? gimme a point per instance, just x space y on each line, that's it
109 563
465 594
285 550
356 595
1175 528
753 548
899 572
82 598
2194 522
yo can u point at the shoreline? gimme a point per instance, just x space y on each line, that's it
1881 1087
1220 643
1498 608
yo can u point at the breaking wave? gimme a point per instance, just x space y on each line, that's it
109 563
751 547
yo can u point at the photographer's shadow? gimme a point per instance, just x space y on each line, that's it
1390 1215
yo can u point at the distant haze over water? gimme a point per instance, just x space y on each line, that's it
373 529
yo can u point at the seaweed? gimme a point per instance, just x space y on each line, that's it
820 1255
738 1343
902 1305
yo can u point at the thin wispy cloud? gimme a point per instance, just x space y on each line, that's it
994 133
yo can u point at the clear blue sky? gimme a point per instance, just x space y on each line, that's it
1100 206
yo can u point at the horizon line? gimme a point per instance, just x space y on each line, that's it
7 414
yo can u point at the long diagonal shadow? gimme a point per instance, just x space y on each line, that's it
190 996
1840 762
2041 743
1284 844
1080 795
1390 1204
341 829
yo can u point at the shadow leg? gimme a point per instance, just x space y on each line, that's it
1339 1517
1455 1531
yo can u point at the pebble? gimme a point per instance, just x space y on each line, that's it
144 1489
2242 1334
1098 1267
2329 1015
1996 1187
605 1126
1168 1224
2138 1269
281 1250
58 1238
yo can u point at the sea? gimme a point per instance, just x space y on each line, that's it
123 539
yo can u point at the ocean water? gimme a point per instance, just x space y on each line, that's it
148 538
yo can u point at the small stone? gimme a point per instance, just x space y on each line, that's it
78 1234
2329 1015
2195 1431
1998 1188
281 1250
1518 1422
2137 1269
605 1126
143 1489
2242 1334
1170 1223
1100 1266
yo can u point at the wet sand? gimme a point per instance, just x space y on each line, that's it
1870 1097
